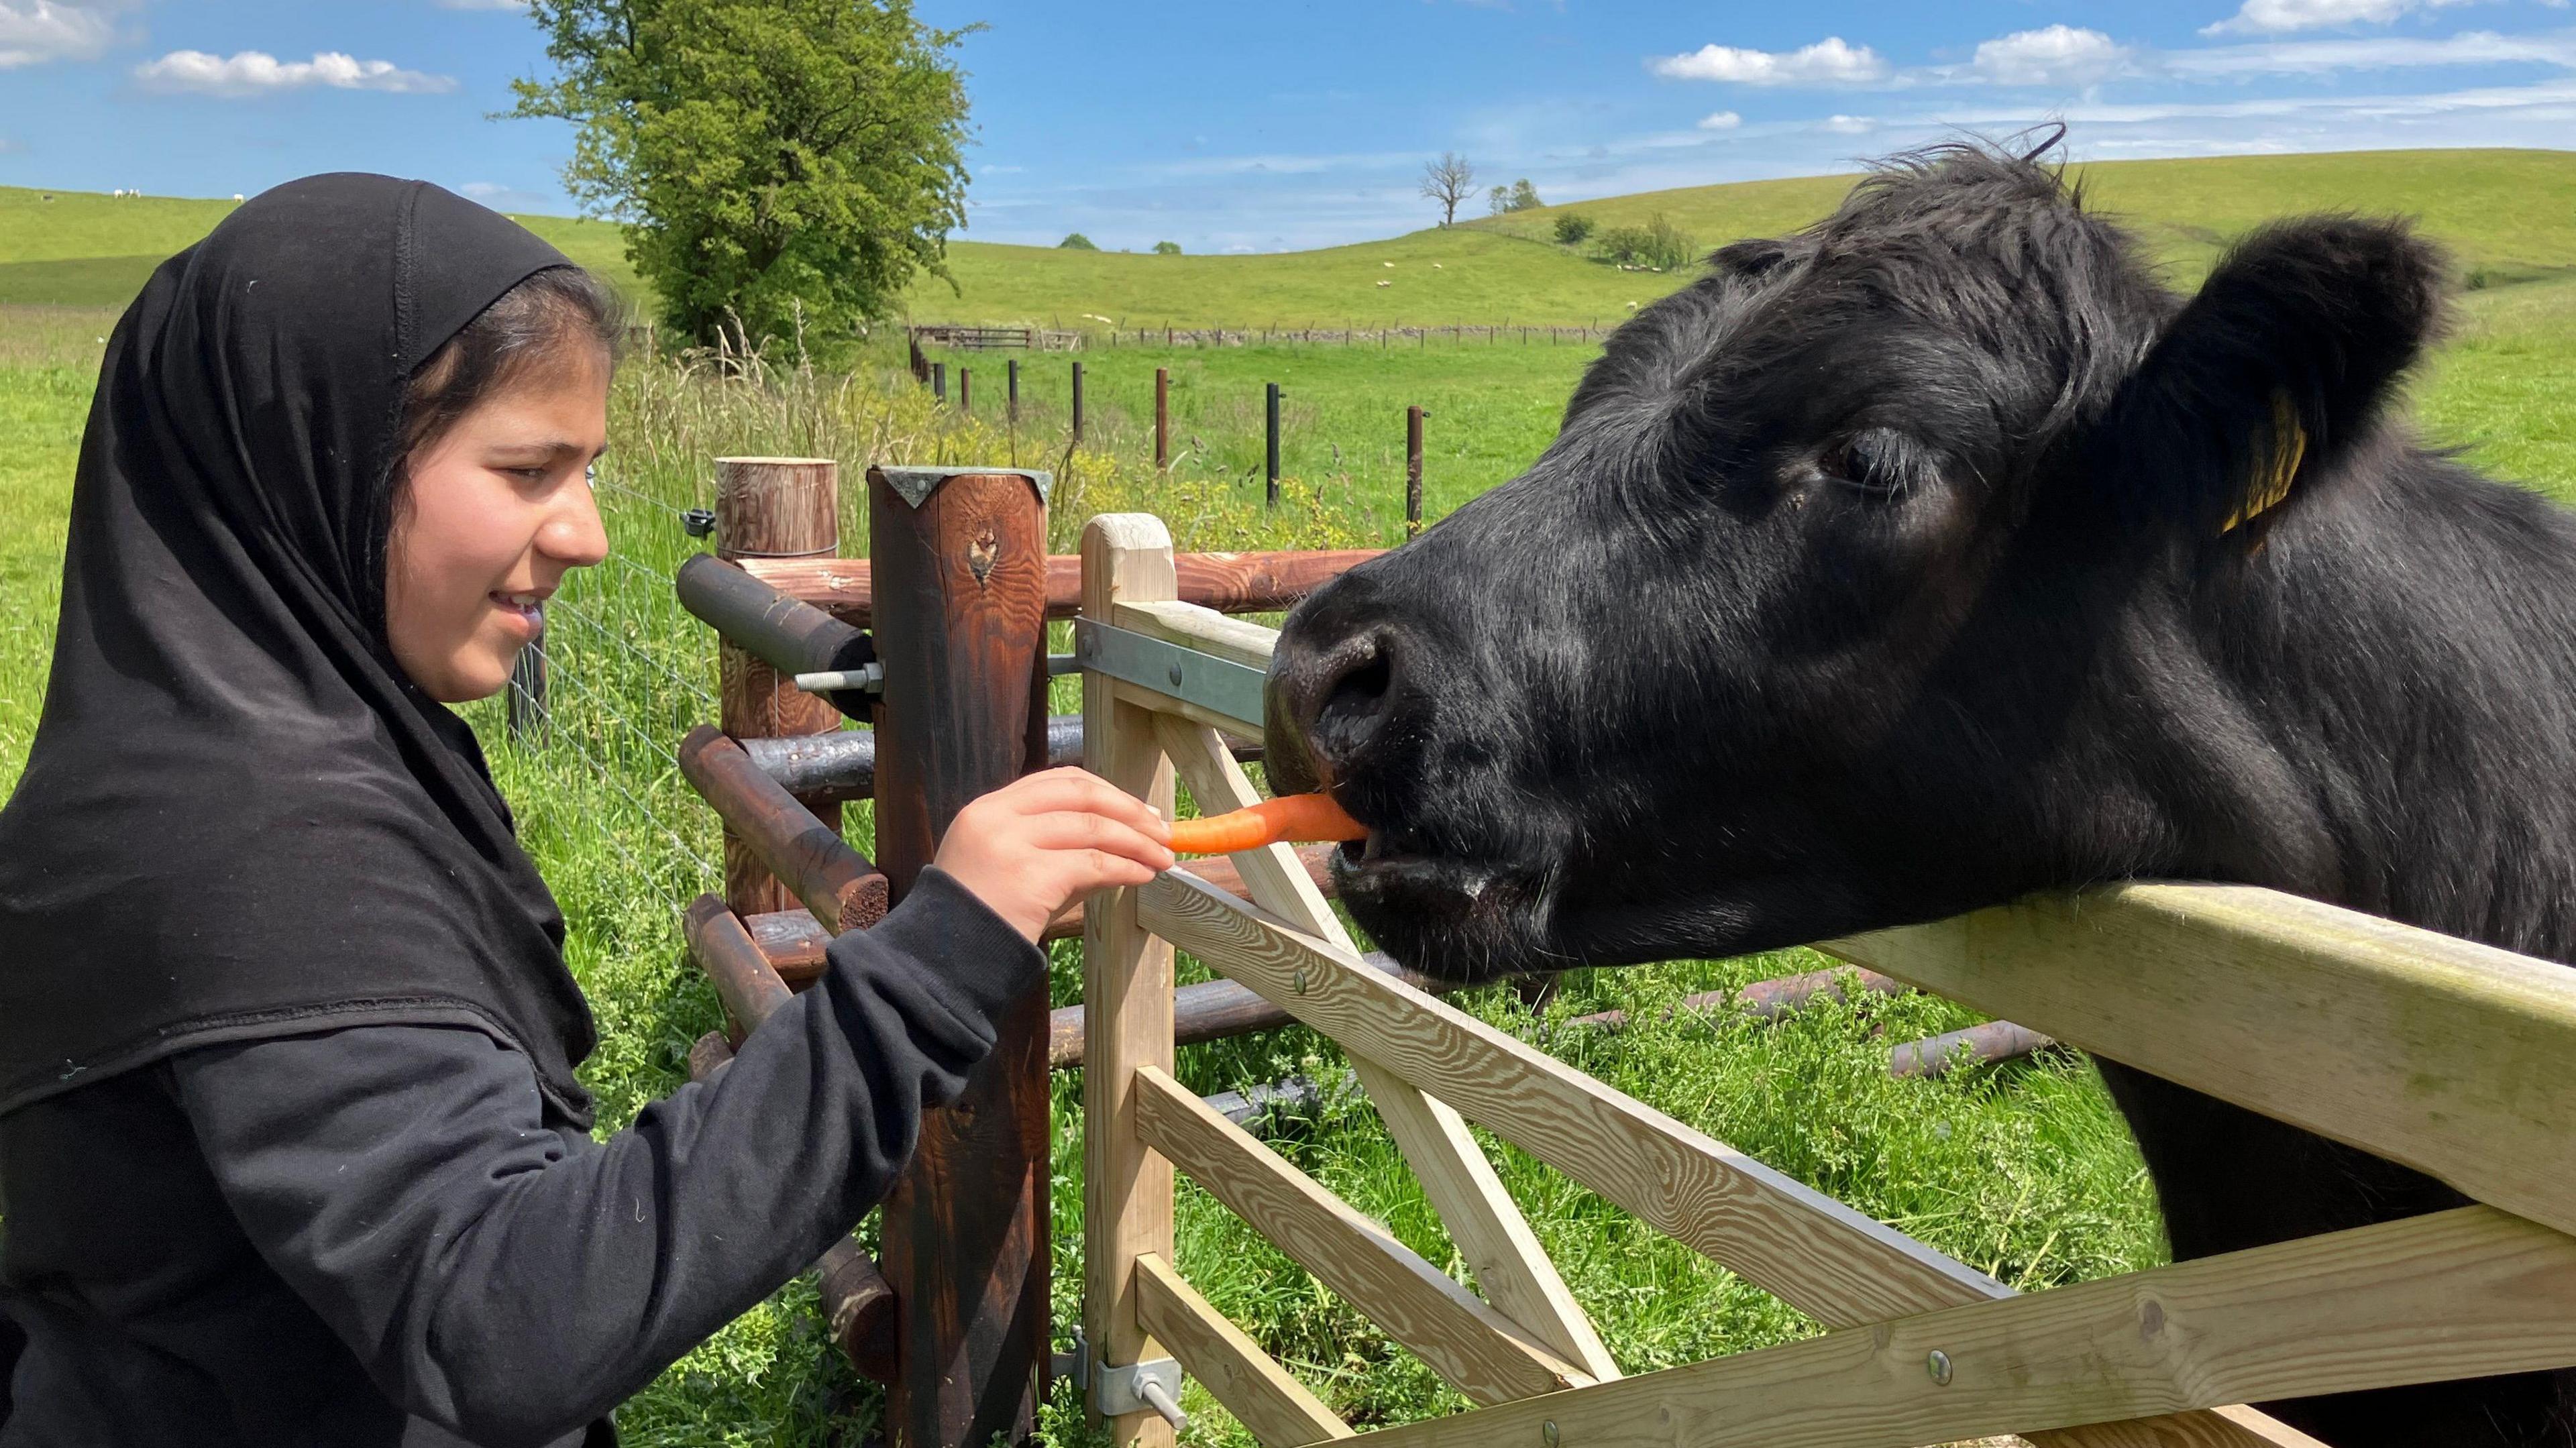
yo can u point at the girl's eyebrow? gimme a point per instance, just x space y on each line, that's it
550 448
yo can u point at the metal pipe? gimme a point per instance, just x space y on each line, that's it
1976 1046
789 635
843 765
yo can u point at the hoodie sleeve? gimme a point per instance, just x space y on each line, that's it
511 1282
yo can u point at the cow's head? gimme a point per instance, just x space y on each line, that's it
1827 607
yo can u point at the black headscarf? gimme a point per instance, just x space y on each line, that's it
239 819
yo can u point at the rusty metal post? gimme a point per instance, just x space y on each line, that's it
1271 462
1162 417
960 583
1412 471
771 508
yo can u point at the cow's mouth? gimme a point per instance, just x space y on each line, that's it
1450 916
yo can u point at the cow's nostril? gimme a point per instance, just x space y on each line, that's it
1358 690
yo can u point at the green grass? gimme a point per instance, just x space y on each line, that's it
2024 1171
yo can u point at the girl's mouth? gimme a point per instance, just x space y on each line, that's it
526 610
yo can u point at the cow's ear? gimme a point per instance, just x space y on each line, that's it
1751 257
2272 372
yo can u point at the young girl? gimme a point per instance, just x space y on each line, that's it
291 1149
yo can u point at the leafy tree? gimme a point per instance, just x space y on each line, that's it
1167 248
1524 197
1572 227
1075 241
1657 245
780 165
1448 181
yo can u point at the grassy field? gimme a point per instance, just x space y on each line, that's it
2023 1171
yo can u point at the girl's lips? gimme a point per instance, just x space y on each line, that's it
528 617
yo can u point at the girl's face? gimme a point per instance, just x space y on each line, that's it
498 511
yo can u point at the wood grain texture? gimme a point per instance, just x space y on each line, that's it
1273 1407
1809 1250
2448 1056
961 628
1472 1347
1226 582
771 508
1483 1221
2462 1293
1204 629
1127 990
733 962
833 881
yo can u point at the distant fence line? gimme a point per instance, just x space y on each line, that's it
984 338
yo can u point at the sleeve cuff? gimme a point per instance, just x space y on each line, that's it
974 959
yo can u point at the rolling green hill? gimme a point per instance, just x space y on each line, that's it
82 249
2508 215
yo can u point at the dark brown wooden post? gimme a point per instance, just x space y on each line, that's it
1077 402
960 584
965 389
771 508
1412 471
1162 417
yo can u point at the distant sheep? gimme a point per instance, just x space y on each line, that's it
237 196
1387 264
1386 284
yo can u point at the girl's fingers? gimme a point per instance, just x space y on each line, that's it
1072 789
1076 830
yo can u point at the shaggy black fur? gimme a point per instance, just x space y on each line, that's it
1887 571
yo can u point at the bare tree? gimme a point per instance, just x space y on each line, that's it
1448 181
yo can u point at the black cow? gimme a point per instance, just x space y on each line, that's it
1938 554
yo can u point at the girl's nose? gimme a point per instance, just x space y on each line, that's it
574 533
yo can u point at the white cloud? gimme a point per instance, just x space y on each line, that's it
35 31
2059 55
254 72
2318 57
1828 62
1847 125
1720 121
2277 17
9 147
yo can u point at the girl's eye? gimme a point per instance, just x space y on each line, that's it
1876 461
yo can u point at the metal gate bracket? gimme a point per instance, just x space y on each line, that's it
1220 686
1146 1387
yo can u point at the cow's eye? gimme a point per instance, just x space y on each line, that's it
1877 461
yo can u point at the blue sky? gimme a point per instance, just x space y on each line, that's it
1229 127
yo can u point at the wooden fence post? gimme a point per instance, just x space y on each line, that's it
965 396
1077 402
1127 989
1272 452
1162 417
958 563
1412 471
771 508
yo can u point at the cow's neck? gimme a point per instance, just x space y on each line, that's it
2397 729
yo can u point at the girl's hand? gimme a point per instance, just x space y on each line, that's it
1037 844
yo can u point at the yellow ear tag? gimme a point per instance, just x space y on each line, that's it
2273 474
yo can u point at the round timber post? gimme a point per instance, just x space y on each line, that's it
959 578
771 508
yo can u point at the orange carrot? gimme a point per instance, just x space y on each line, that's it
1290 817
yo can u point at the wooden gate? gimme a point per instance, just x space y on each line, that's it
2451 1057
